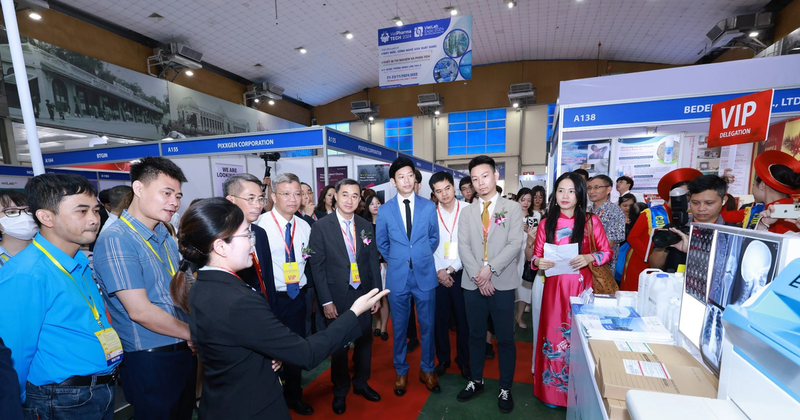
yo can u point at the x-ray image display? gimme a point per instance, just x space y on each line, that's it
726 265
757 270
711 338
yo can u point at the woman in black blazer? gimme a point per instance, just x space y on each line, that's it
232 326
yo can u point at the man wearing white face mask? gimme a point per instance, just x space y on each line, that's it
16 224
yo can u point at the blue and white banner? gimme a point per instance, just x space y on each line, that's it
427 52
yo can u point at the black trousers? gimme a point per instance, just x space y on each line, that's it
450 303
362 352
292 313
315 320
501 307
161 385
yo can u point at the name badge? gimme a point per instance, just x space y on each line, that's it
450 250
354 273
112 346
291 274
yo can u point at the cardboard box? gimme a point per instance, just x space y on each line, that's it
616 409
618 376
662 353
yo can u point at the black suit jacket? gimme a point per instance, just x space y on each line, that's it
10 404
331 264
238 336
249 274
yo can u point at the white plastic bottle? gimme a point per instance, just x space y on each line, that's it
657 292
645 278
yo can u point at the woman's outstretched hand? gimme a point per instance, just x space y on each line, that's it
366 302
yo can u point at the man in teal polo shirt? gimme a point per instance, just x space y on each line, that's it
52 316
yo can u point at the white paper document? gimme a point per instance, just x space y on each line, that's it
561 255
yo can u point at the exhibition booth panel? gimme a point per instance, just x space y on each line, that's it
646 124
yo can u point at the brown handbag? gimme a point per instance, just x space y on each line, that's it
603 282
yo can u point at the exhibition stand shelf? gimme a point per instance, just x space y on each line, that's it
206 161
645 124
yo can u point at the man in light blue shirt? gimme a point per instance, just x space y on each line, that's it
51 314
135 260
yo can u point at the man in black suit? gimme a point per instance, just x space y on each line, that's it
244 190
10 404
346 266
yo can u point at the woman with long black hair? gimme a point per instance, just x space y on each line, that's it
566 223
232 325
326 203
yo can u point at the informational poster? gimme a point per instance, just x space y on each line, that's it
375 177
223 171
427 52
647 159
737 161
783 136
591 155
335 174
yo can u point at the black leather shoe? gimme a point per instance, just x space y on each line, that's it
412 345
339 406
441 368
368 393
504 401
466 372
385 336
377 332
302 408
489 351
471 391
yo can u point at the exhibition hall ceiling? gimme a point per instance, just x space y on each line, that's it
238 35
58 140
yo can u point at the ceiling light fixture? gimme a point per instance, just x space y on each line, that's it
452 10
515 105
397 21
302 50
511 4
371 118
256 100
436 112
189 73
753 34
35 16
104 137
271 102
347 34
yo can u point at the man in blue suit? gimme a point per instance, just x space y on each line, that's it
407 234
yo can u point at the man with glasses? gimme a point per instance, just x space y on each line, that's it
244 190
612 217
17 227
289 245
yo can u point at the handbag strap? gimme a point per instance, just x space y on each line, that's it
592 243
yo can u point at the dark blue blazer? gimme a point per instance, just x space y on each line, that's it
398 250
10 404
265 259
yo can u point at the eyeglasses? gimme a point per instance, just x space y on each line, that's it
598 188
253 200
296 195
16 212
250 235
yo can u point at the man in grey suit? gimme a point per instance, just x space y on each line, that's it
345 266
490 238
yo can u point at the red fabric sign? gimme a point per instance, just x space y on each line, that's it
741 120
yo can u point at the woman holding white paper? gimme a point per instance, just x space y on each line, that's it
567 223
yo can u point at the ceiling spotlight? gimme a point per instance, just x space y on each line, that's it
753 34
35 16
397 21
436 112
371 118
347 34
511 4
189 73
256 100
104 137
452 10
515 104
271 102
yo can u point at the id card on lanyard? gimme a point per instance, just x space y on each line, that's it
108 338
354 276
450 250
291 271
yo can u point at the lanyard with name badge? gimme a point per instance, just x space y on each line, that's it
109 340
355 277
448 253
171 268
291 272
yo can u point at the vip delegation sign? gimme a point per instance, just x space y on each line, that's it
424 53
741 120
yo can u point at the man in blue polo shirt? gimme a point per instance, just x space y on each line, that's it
51 314
135 260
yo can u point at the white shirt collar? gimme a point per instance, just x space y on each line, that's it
342 219
281 220
410 199
493 200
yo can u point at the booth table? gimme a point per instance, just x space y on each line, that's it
584 401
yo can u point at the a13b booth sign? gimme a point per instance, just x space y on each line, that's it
741 120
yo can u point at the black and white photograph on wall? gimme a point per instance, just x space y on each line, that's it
791 43
71 90
712 336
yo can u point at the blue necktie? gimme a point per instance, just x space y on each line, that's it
350 251
292 289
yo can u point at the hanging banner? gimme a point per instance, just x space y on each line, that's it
223 171
335 174
647 159
427 52
741 120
